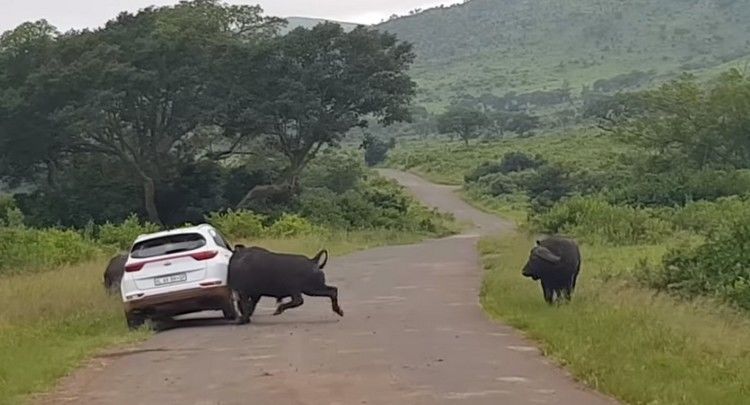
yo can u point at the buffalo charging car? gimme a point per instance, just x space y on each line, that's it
178 272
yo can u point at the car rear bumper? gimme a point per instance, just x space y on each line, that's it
182 302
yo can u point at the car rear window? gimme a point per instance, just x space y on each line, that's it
167 245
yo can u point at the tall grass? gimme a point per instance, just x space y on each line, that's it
52 321
629 342
23 248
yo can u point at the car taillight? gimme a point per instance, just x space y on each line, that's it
134 267
204 255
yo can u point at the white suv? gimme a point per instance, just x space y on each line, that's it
177 272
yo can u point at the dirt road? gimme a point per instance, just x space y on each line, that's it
413 334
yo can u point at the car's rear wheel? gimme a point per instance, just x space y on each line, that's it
134 320
239 311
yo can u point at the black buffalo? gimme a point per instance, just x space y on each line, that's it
555 261
113 273
256 272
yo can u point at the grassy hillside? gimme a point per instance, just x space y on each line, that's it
448 163
490 46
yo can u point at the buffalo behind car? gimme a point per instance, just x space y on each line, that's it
256 272
113 273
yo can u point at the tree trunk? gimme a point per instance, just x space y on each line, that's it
288 186
265 192
149 198
52 174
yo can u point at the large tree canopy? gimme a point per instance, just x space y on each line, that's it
462 121
158 93
324 83
684 123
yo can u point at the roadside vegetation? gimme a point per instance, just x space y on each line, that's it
658 193
622 338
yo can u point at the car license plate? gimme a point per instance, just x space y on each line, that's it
175 278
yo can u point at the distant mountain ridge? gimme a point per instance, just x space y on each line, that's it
498 46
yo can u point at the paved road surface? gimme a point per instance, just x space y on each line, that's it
413 334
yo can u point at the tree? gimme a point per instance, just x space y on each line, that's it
175 91
138 90
521 123
24 116
324 83
697 126
376 150
462 121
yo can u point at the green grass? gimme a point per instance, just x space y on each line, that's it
513 207
447 163
51 322
623 340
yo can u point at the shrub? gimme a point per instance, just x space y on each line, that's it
336 171
238 224
10 214
387 195
707 217
497 184
123 234
510 163
38 249
594 220
376 204
6 205
13 218
323 206
290 225
519 161
720 267
548 185
713 184
482 170
680 188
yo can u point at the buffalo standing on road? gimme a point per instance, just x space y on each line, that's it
256 272
556 262
113 273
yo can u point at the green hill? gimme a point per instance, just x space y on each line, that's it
497 46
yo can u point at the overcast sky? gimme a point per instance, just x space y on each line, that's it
66 14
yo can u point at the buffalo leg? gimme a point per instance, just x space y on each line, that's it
570 287
548 293
568 293
294 303
575 277
252 304
331 292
